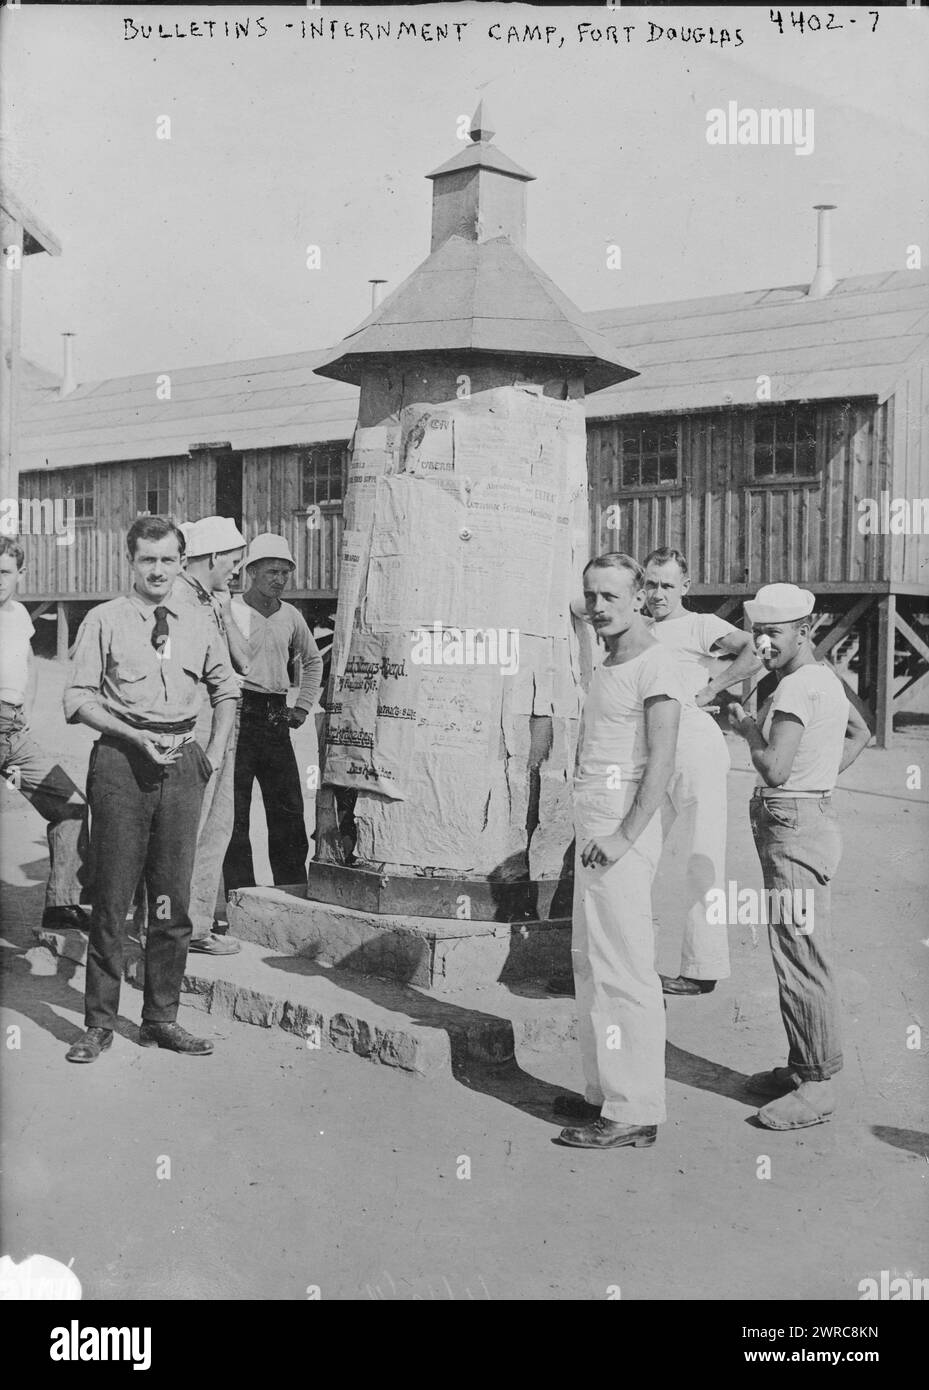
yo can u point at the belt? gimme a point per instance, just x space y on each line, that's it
773 793
254 696
180 726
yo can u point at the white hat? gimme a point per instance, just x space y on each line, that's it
211 535
268 546
779 603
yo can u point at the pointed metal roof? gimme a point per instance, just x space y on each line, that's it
482 153
486 297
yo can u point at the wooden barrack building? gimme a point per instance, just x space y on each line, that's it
758 424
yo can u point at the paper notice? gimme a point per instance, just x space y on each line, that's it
372 720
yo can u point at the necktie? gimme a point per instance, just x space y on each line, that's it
160 630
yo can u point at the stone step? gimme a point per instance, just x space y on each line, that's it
397 1025
444 955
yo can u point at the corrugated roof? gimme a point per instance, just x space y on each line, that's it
479 296
700 353
260 403
692 354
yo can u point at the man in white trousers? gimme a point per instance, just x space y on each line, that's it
697 790
624 762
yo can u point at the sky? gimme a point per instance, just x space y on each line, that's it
193 249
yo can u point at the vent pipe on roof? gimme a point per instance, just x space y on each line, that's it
824 280
376 292
68 381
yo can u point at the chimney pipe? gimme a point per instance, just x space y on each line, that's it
824 280
376 292
68 381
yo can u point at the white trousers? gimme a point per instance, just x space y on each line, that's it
697 796
621 1019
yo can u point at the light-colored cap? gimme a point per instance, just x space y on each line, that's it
211 535
779 603
268 546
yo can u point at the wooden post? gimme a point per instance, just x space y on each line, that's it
11 247
61 652
884 671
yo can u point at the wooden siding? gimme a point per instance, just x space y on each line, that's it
909 432
738 531
95 566
96 563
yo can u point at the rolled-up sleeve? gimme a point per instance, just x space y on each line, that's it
221 681
85 676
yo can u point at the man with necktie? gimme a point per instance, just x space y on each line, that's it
140 662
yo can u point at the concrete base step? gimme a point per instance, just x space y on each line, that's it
417 1030
445 955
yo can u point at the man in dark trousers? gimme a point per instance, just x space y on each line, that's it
275 634
139 665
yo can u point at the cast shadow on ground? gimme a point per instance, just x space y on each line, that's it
505 1080
913 1140
20 917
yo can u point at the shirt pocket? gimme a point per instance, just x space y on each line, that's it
191 656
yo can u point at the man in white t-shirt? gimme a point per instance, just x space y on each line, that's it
624 761
28 769
809 733
697 791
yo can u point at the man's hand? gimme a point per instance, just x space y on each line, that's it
707 698
605 851
742 723
296 717
213 758
163 755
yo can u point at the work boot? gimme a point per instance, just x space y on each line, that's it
173 1037
214 945
609 1134
89 1045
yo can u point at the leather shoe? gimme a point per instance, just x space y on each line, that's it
682 984
89 1045
575 1108
173 1037
609 1134
214 945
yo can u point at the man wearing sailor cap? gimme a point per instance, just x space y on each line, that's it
806 734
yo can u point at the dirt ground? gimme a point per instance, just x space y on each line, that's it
272 1171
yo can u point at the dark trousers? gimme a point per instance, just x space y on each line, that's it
264 750
144 822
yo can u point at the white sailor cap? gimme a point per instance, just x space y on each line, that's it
779 603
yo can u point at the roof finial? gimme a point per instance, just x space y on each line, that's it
481 129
